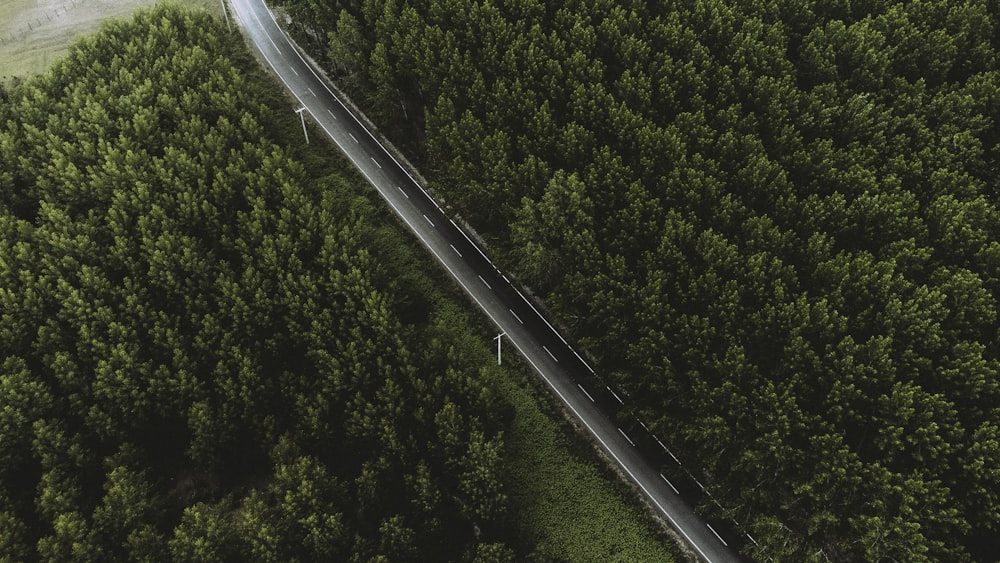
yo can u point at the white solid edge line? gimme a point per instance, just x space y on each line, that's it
586 424
530 304
276 48
339 101
562 397
584 362
513 341
606 447
474 245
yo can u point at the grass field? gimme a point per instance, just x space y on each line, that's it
34 33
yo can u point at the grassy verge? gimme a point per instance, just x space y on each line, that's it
34 33
566 505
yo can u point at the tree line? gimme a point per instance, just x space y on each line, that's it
773 223
204 355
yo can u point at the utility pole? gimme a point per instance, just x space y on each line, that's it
226 14
499 339
301 111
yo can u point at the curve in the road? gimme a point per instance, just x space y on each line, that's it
513 313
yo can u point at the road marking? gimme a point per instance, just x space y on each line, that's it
484 282
474 245
402 192
456 250
266 33
584 362
751 538
620 401
717 534
699 482
426 218
376 162
673 456
626 437
530 304
549 353
671 484
593 432
311 91
329 111
353 138
667 513
607 447
338 100
505 279
295 71
515 316
585 393
643 424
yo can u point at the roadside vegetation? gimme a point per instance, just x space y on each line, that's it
214 347
773 224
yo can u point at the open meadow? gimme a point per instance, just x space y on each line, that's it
34 33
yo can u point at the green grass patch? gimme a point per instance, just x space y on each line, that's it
34 33
569 506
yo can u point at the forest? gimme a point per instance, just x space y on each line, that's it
773 224
204 354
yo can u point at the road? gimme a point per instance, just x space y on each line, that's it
512 312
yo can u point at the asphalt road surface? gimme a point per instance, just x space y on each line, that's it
513 313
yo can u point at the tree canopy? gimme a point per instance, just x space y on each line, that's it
203 355
774 224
